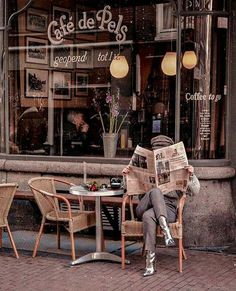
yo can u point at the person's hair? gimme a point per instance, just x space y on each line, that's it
71 115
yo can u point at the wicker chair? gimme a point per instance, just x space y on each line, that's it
7 192
134 228
48 201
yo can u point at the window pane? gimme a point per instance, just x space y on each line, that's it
203 94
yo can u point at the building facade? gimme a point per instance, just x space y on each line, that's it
72 70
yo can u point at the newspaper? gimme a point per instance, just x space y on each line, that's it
162 168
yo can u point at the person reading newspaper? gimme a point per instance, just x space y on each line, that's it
155 208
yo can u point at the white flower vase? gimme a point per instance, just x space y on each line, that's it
110 144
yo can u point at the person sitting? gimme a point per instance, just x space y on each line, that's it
155 208
75 134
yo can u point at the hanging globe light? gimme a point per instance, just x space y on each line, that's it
119 67
189 59
168 64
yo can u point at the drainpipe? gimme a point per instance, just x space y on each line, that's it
4 90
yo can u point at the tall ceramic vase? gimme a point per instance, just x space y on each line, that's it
110 144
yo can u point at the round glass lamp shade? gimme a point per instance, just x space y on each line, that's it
189 59
168 64
119 67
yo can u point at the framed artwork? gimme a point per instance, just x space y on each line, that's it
85 57
81 84
57 12
61 85
166 24
61 55
36 82
37 20
36 50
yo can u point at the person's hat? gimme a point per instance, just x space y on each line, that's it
161 141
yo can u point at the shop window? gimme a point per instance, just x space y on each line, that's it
55 76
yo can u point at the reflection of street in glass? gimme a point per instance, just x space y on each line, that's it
163 172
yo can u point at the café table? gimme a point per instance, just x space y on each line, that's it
99 254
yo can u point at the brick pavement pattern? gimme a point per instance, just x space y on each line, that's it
202 271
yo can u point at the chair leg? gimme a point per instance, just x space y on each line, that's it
12 242
143 250
38 238
180 255
58 236
72 245
122 252
184 254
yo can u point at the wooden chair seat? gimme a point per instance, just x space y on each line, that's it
80 219
134 228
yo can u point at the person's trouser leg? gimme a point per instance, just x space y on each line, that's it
149 231
152 199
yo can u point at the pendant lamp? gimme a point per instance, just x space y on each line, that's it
119 67
168 64
189 59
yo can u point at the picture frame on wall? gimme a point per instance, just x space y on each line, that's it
166 25
81 84
60 53
37 20
36 50
61 86
57 12
85 56
36 83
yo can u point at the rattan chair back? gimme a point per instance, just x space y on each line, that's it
7 192
46 184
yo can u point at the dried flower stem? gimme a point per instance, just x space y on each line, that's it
122 121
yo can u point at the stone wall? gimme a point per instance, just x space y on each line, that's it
209 216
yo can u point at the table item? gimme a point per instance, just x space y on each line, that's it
99 254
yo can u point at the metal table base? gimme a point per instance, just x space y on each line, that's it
98 256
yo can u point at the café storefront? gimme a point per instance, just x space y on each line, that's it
72 70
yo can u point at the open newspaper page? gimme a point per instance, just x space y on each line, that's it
142 175
169 166
162 168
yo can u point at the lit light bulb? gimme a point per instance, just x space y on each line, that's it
189 59
168 64
119 67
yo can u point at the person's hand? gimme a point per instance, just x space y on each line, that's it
126 170
84 127
190 169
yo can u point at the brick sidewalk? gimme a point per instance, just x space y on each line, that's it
202 271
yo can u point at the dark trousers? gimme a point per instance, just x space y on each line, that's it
150 208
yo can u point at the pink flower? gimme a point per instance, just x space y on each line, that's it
108 98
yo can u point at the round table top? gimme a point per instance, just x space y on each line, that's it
78 190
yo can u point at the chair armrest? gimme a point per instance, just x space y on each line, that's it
124 201
63 182
59 197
